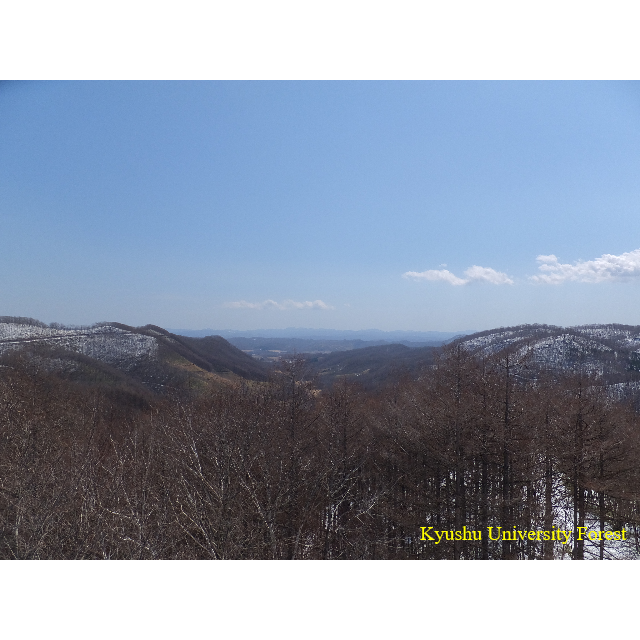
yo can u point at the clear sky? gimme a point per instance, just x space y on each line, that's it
348 205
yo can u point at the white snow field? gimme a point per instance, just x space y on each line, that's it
106 343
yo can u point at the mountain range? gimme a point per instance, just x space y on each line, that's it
377 335
153 359
610 352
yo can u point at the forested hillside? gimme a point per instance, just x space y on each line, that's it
610 352
281 469
147 356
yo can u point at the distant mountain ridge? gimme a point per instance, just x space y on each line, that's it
609 352
390 337
270 349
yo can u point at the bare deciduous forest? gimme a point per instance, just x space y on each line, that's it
283 470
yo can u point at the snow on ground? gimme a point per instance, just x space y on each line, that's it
622 390
628 549
561 348
106 343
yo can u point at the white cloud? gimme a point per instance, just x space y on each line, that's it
606 268
487 274
282 306
435 275
315 304
473 274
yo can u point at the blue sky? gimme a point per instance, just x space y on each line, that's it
346 205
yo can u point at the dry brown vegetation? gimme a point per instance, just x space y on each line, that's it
278 470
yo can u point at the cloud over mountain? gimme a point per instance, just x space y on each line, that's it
606 268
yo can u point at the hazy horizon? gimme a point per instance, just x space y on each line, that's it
336 334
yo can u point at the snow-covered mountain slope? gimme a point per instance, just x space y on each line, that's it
149 353
610 351
106 343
